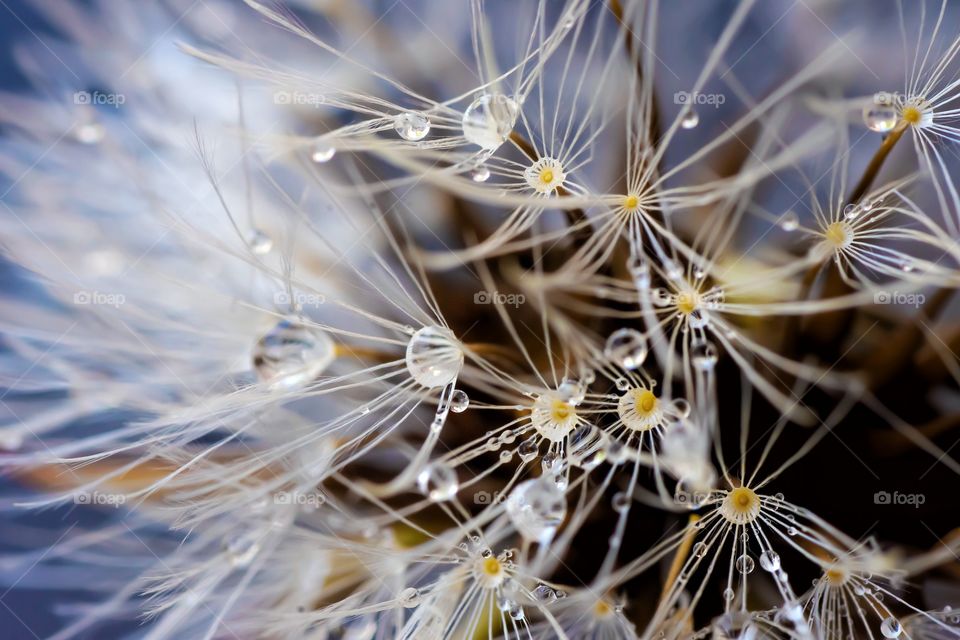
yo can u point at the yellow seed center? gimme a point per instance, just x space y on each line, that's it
837 234
546 176
560 411
742 499
645 401
630 202
686 302
602 609
836 576
912 115
491 566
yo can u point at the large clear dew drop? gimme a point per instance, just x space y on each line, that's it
489 119
434 357
292 354
536 508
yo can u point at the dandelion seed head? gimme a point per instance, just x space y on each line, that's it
740 506
545 176
553 417
640 409
917 112
838 235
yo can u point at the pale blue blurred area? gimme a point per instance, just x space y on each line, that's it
779 36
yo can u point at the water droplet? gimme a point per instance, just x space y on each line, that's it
506 456
881 115
362 628
890 627
438 481
587 447
851 211
489 119
699 550
241 547
90 133
626 347
621 502
571 391
789 221
480 174
322 151
745 564
528 449
434 357
412 126
728 594
516 612
736 625
704 355
292 354
536 508
770 560
622 384
259 242
459 401
544 594
680 408
409 597
690 119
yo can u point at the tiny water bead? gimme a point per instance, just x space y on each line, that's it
489 119
412 126
789 221
545 175
292 354
409 597
627 347
881 114
536 508
528 449
690 119
90 133
434 357
480 174
438 481
890 627
745 564
322 151
259 242
459 401
704 355
572 391
241 547
770 560
736 625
